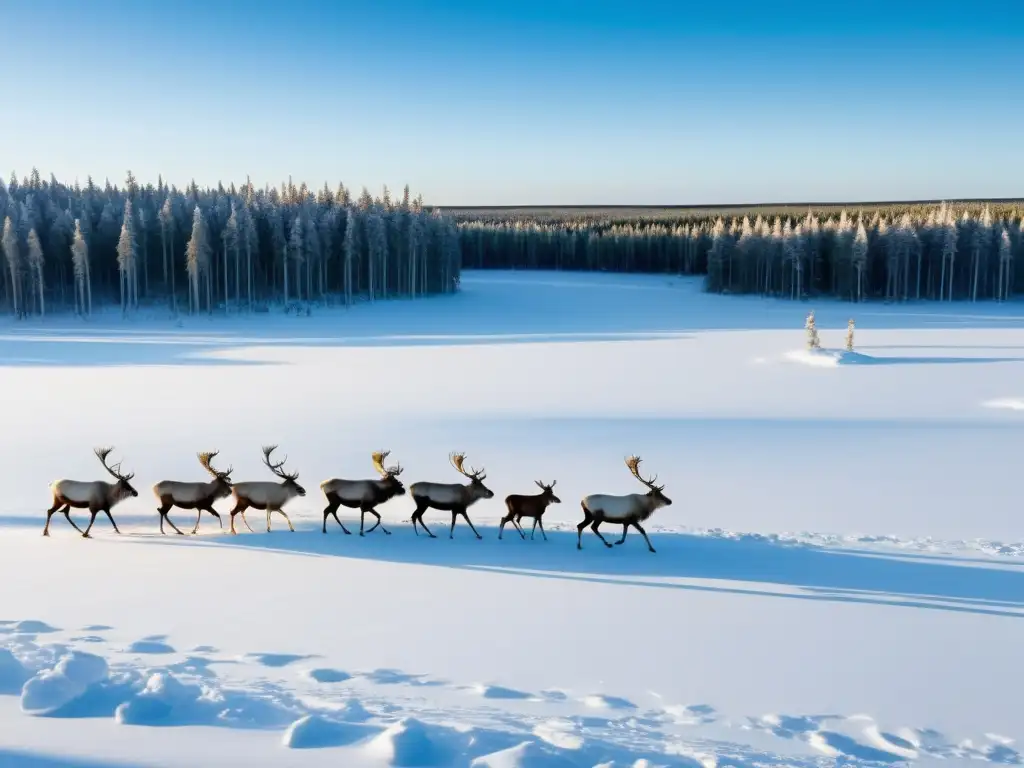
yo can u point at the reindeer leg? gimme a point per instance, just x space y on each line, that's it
533 531
292 527
111 519
451 534
380 522
501 526
541 524
92 519
242 513
625 527
594 526
587 517
67 516
420 518
268 519
327 513
471 524
642 531
49 514
335 513
171 523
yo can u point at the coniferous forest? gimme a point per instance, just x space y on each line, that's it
75 248
880 252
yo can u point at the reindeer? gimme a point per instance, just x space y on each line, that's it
197 496
529 506
363 495
96 496
450 496
629 510
265 494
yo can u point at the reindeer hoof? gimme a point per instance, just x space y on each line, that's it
86 535
579 546
479 536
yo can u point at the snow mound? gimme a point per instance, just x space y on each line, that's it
827 358
408 742
12 674
314 732
327 675
528 754
600 701
51 689
500 692
163 695
1006 403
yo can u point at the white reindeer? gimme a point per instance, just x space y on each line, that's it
96 496
198 496
454 497
265 494
363 495
628 510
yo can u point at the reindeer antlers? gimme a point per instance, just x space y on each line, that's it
633 462
474 474
545 487
206 457
276 468
378 464
115 471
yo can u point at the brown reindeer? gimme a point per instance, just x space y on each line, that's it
363 495
263 494
631 509
96 496
454 497
534 506
197 496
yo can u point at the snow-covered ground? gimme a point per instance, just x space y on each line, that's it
840 578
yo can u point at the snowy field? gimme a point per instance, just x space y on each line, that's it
840 579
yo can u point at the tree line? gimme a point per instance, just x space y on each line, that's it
893 253
222 249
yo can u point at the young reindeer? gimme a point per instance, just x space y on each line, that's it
197 496
529 506
628 510
454 497
363 495
96 496
266 495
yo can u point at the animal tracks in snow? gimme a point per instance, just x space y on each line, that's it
393 717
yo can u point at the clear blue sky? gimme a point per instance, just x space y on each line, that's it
527 102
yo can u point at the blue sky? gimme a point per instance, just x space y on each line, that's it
525 102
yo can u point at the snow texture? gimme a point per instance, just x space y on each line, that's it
839 580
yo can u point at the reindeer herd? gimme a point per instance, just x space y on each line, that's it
364 494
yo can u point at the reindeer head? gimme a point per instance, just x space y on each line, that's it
222 479
476 477
124 484
288 477
389 475
549 494
655 492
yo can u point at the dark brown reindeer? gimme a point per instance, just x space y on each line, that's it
96 495
631 509
534 506
363 495
197 496
264 494
453 497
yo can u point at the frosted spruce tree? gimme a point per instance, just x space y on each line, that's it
126 260
80 267
197 258
12 251
35 265
813 342
849 335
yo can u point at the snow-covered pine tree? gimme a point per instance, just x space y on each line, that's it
126 258
35 264
80 265
197 257
12 251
